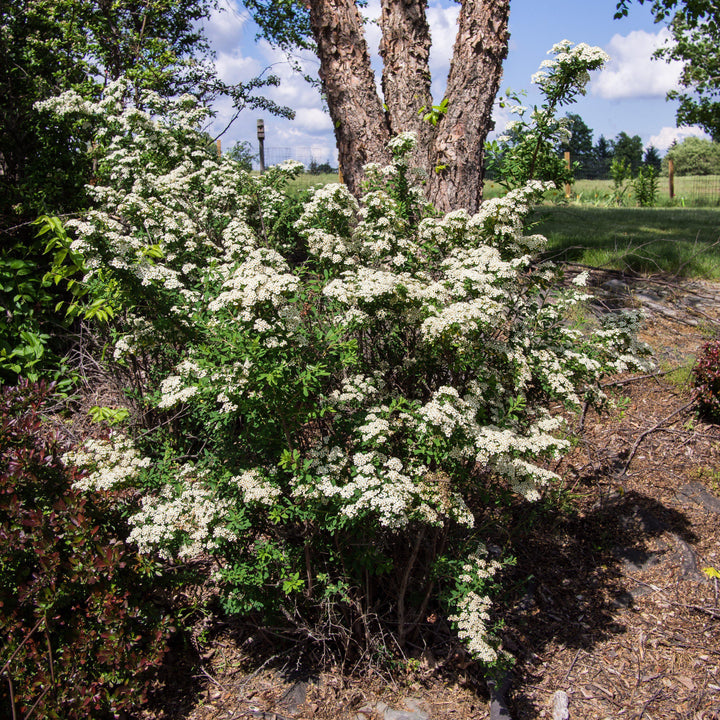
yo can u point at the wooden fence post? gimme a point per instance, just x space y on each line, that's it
567 165
261 141
671 177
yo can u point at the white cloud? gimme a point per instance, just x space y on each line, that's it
443 25
632 72
233 67
312 120
226 25
664 139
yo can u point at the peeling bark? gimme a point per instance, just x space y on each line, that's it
457 152
405 50
361 128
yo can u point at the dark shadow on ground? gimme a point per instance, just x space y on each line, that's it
568 580
653 240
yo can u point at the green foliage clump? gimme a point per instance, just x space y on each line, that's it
528 150
706 380
645 186
694 156
81 634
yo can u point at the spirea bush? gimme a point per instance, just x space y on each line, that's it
335 407
80 635
528 148
706 380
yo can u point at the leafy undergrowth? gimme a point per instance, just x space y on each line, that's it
81 635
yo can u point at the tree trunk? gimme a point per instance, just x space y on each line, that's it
451 154
361 128
405 50
456 158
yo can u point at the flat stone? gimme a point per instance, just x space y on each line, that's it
697 493
636 560
560 706
295 696
688 560
498 704
616 286
413 711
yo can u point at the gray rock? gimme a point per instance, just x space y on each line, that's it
560 706
636 560
697 493
413 711
295 696
498 705
616 286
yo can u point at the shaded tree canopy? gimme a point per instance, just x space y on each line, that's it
695 29
694 156
451 139
47 46
629 149
652 158
579 145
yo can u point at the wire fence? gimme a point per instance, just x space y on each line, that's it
697 189
306 155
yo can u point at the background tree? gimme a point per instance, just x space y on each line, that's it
652 158
49 46
602 157
579 145
694 156
695 28
243 154
451 140
628 149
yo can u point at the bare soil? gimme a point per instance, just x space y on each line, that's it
610 600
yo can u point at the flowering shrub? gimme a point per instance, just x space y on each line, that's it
528 149
333 406
79 635
706 379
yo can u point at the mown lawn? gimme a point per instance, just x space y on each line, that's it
678 241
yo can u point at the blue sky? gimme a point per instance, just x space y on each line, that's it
627 95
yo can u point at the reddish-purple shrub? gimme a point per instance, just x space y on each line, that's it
80 634
706 377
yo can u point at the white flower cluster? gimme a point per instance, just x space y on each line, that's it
472 616
112 463
262 278
256 488
185 520
573 62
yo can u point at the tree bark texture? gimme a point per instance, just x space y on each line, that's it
405 51
451 153
361 127
456 161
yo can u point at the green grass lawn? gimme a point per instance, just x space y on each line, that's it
305 181
676 241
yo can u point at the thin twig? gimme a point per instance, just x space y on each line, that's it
572 665
12 698
17 649
653 429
